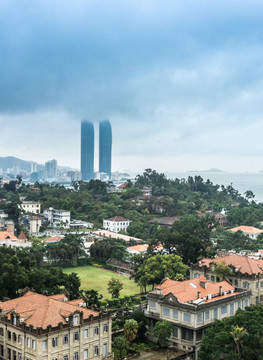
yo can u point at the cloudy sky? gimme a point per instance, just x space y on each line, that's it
180 80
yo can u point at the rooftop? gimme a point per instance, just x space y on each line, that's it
110 234
40 310
247 229
6 235
194 289
244 264
117 219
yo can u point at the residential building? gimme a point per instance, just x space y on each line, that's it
52 239
36 326
57 218
165 221
245 273
116 224
34 224
191 306
142 248
250 231
33 207
105 145
87 150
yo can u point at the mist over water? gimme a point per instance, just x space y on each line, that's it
240 181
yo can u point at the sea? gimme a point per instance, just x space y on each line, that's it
240 181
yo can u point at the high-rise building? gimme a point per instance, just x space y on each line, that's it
87 150
51 169
105 139
33 166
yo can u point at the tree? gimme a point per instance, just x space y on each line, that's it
114 287
92 297
163 330
140 317
221 269
157 267
120 347
238 333
130 329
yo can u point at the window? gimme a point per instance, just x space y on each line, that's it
246 303
1 331
54 341
207 315
256 285
105 349
212 278
175 314
33 344
9 353
246 285
65 339
28 342
166 312
196 275
96 330
65 357
76 335
236 282
224 310
76 320
76 356
105 328
199 317
261 284
9 335
239 305
231 309
19 339
86 333
14 336
187 317
86 354
44 345
19 356
96 351
14 355
175 332
1 350
152 304
215 313
207 277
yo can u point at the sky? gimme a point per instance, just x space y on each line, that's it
180 80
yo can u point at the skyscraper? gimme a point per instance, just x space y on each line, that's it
51 169
105 139
87 150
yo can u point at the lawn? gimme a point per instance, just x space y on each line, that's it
97 279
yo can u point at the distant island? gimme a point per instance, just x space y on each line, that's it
213 170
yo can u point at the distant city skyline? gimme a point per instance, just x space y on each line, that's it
182 84
105 147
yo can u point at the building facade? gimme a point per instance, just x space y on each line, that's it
192 306
57 218
87 150
105 146
33 207
34 327
245 273
116 224
51 169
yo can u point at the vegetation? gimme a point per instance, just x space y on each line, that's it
114 287
130 329
163 330
236 337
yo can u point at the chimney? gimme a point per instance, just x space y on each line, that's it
220 290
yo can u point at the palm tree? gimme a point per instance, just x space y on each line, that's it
130 329
238 333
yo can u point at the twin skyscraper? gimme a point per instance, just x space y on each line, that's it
87 149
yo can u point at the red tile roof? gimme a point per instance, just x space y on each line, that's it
6 235
40 310
247 229
143 247
22 236
244 264
187 291
53 239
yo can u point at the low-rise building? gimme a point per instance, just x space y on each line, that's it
36 326
191 306
250 231
113 235
245 273
116 224
32 207
57 218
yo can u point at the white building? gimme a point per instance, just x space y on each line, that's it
32 207
116 224
250 231
58 218
34 224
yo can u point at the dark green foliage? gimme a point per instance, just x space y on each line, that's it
114 287
120 347
220 339
109 248
92 297
163 330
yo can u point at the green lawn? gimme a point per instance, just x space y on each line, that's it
97 279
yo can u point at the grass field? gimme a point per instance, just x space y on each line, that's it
97 279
